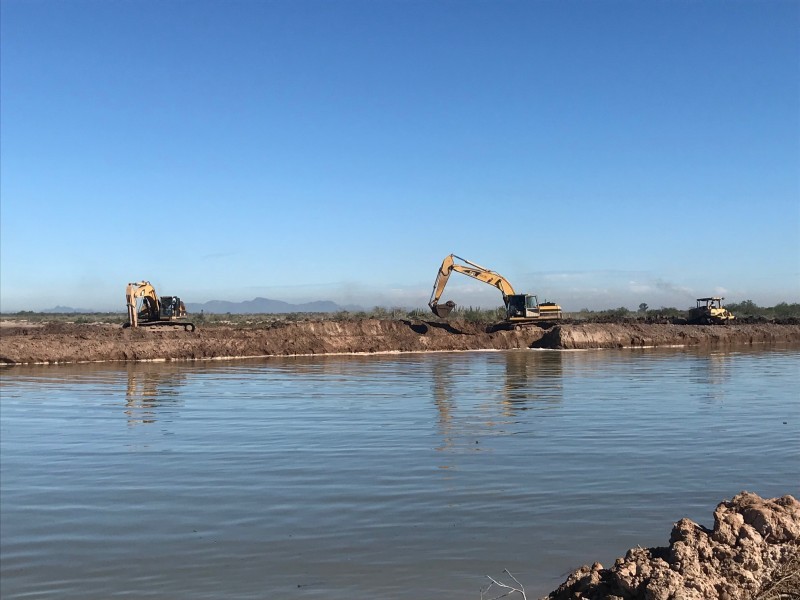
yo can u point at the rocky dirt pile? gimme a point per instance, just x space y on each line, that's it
752 553
84 342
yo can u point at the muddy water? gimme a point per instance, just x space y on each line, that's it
401 476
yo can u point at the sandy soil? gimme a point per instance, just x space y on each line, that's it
65 343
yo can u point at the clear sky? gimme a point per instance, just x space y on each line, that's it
598 154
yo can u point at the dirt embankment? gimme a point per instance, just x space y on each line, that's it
752 553
76 343
633 335
59 343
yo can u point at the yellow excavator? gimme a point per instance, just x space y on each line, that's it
521 309
146 308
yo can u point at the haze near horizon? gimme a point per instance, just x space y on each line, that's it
596 154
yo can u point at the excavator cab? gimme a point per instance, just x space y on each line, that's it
171 307
527 306
517 305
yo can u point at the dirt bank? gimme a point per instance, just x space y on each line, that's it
78 343
627 335
75 343
752 553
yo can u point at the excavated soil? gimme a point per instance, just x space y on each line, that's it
632 335
752 553
68 343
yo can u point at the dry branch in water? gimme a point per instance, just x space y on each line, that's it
510 588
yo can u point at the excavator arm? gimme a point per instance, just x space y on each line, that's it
471 270
141 289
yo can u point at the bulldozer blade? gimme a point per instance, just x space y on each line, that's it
443 310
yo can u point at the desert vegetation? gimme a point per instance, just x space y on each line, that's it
746 310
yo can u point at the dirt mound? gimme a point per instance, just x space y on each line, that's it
63 342
632 335
79 343
753 553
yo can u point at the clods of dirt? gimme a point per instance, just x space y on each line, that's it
752 553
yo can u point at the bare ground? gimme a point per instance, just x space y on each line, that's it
67 343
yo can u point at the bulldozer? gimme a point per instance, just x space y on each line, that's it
709 311
521 309
148 309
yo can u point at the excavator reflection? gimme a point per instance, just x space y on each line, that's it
515 381
713 371
534 380
443 381
152 393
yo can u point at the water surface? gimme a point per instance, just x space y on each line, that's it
388 476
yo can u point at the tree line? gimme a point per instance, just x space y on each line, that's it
746 309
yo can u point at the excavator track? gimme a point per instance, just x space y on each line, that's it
171 324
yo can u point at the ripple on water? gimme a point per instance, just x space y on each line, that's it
362 476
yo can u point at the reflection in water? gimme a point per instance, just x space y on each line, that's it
479 395
711 371
533 379
320 477
442 383
152 389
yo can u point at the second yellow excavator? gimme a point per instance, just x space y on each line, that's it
521 309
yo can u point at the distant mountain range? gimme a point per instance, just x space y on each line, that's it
69 310
265 306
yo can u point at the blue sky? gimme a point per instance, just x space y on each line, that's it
596 153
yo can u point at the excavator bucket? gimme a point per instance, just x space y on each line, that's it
443 310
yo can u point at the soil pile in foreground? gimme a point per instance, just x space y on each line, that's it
753 553
67 343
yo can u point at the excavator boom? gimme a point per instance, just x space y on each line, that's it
141 289
470 269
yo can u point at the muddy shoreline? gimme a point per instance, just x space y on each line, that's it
73 343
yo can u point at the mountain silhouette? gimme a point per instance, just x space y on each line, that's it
264 306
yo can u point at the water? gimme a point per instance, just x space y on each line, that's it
395 476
